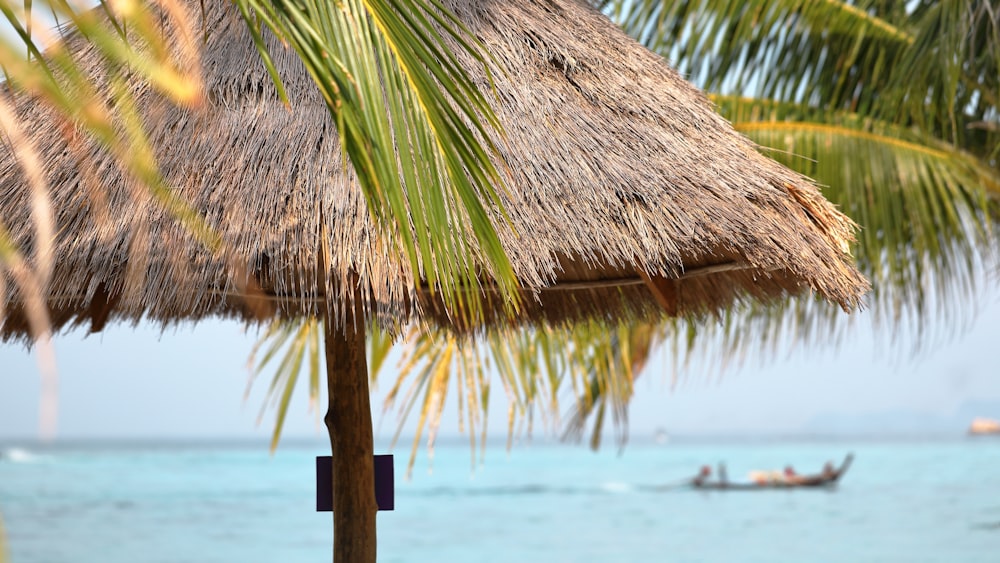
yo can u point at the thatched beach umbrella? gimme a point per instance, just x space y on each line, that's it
629 197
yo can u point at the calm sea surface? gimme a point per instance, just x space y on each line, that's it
934 500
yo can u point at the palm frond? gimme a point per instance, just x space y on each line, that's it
57 79
161 52
615 360
949 78
415 126
292 346
592 363
435 359
779 49
932 65
30 275
923 204
379 346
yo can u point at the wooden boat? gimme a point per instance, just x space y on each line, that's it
827 478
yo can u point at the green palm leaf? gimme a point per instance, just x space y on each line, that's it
590 365
923 204
782 49
98 101
296 345
416 129
291 347
614 358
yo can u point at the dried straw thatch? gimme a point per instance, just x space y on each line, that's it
629 195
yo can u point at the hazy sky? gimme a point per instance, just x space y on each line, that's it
190 382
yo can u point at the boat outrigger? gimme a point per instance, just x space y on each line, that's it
773 479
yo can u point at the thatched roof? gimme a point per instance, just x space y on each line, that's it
619 168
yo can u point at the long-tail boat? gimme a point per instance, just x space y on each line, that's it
775 480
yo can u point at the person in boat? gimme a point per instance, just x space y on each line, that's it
768 477
702 476
723 478
828 470
790 476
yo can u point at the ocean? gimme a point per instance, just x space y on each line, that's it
904 500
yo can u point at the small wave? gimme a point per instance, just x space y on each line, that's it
616 487
612 487
488 491
18 455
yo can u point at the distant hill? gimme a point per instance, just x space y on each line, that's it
902 421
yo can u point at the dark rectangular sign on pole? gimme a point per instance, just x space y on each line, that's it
384 483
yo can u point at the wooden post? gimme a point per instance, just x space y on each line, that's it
663 289
349 421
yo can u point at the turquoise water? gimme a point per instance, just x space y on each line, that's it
901 501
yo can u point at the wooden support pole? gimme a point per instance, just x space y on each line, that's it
349 421
664 290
